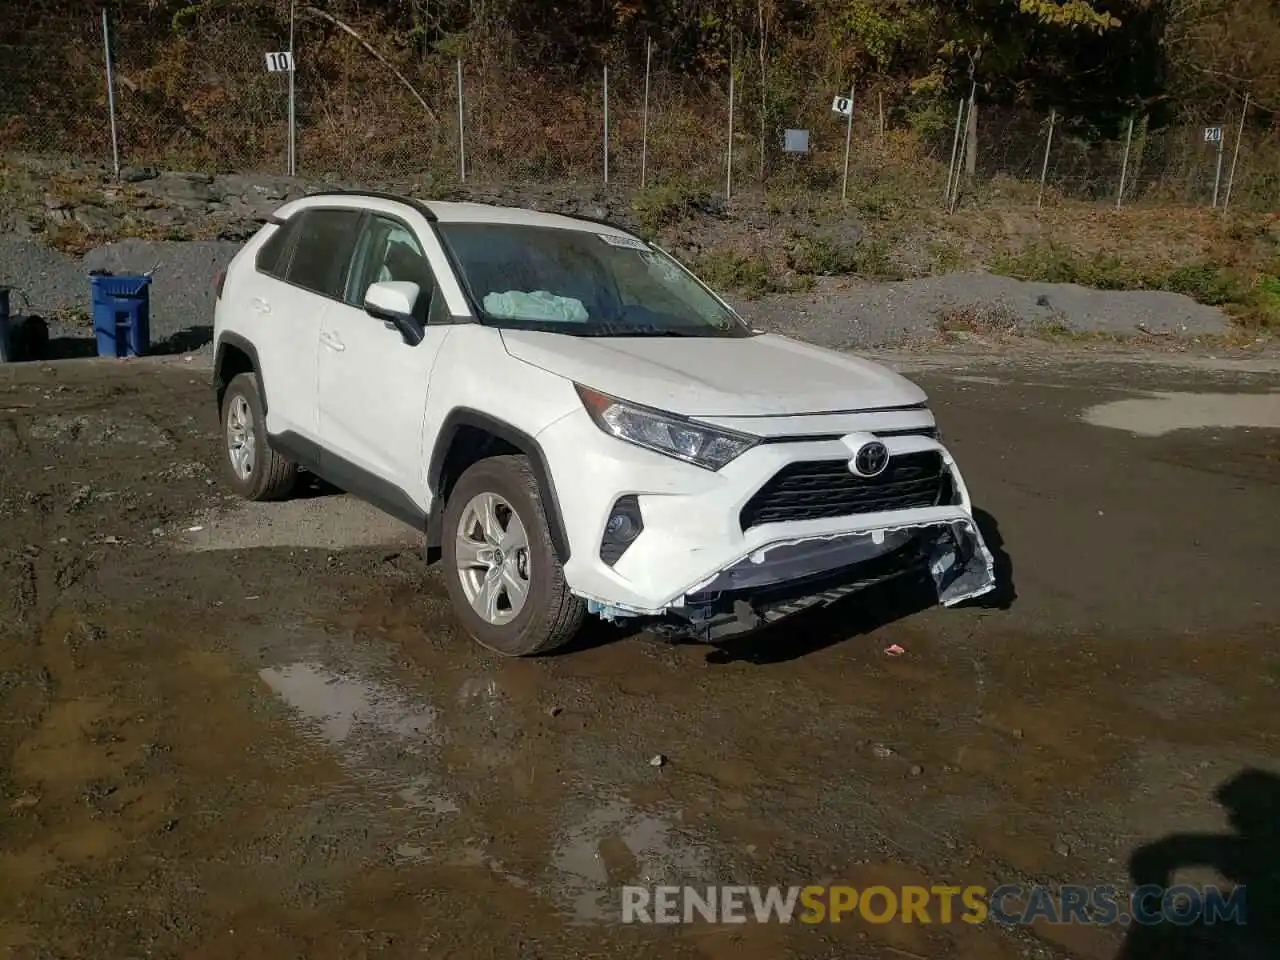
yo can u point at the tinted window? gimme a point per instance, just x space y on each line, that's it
323 250
270 254
388 250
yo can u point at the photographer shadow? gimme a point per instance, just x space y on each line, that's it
1249 858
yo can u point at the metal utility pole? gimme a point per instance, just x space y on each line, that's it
1124 164
1231 177
111 95
293 69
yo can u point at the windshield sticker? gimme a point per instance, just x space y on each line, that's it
631 243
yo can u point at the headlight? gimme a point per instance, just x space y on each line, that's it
665 433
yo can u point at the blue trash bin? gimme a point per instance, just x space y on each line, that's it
6 353
122 314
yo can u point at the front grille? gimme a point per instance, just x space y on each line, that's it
821 489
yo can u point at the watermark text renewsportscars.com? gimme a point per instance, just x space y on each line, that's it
1008 904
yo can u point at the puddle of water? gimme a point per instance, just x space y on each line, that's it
616 844
474 856
1163 413
374 726
341 704
423 793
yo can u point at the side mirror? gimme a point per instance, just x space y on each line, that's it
393 302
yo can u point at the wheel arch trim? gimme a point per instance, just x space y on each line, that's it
238 342
454 422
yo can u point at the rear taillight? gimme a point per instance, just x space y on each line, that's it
219 279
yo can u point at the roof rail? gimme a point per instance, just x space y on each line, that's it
603 222
427 212
418 205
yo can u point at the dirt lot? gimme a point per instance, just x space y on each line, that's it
262 738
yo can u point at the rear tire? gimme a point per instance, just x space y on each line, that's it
253 469
504 579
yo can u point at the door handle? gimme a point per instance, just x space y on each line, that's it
333 342
261 305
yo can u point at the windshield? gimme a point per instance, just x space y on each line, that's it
582 283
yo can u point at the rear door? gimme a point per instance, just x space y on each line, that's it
373 385
299 277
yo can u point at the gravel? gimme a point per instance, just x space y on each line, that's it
835 313
56 286
845 314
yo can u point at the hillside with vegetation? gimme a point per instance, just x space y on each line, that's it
1084 95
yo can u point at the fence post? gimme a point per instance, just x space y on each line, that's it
1048 144
1231 176
880 107
606 125
848 146
955 150
644 135
1217 172
111 95
964 145
293 68
1124 164
728 177
462 145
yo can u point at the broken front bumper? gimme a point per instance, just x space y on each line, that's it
705 542
791 577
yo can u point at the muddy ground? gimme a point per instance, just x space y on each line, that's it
263 738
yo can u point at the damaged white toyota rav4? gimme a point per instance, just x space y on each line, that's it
575 422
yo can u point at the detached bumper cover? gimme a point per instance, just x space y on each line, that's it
954 553
695 552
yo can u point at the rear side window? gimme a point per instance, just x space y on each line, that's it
322 253
273 255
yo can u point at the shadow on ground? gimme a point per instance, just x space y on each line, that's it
1005 593
81 348
1249 858
813 630
67 348
184 341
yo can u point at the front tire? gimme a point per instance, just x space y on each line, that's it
504 579
253 469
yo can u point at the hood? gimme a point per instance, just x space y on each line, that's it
765 375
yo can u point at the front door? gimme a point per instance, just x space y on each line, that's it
372 384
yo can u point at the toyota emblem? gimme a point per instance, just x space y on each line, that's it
871 459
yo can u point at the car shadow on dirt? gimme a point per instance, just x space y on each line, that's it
1249 858
1005 592
813 630
312 487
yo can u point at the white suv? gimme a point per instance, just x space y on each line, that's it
575 422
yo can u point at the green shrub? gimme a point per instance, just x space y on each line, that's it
728 272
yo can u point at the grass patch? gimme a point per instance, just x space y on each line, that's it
667 204
734 272
819 257
1257 304
1259 308
979 320
876 261
70 238
1051 263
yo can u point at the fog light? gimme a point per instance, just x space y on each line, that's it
621 529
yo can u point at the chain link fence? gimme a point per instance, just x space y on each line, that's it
200 96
